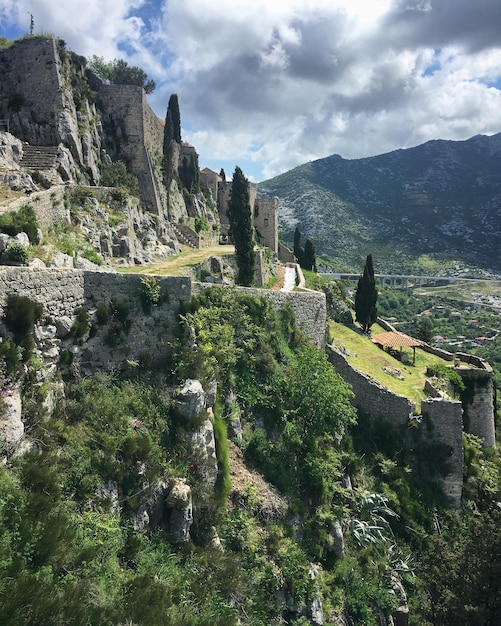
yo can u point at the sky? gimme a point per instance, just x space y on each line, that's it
269 85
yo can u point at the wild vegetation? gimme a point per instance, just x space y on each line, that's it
241 229
69 550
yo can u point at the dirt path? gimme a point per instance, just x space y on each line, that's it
180 264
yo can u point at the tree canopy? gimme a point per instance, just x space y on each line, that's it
305 256
241 229
172 129
119 72
366 297
309 257
298 250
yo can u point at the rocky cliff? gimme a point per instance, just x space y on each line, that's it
437 205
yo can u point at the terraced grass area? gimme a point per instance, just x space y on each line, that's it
179 264
367 357
7 195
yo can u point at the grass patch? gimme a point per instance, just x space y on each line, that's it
7 194
180 264
366 357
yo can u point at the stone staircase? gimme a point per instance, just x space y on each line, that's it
186 235
39 158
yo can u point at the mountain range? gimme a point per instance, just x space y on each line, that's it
432 208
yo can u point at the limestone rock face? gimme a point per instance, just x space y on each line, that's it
152 508
179 501
11 151
11 424
191 399
109 493
203 445
337 540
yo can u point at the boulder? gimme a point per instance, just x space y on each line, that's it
61 260
11 151
191 399
36 263
203 446
63 325
11 424
21 238
180 504
336 539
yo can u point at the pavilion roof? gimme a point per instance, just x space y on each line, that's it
393 339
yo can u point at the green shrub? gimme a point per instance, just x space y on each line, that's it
223 482
442 371
93 256
102 313
116 175
119 197
118 322
10 357
17 253
149 292
119 309
20 316
80 194
82 323
22 221
201 224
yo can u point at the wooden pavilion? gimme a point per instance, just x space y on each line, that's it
393 339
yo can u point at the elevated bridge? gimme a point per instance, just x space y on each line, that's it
403 280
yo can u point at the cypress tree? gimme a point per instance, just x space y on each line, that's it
172 132
366 297
176 117
309 261
241 229
298 251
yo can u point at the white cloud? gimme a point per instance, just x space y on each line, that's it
279 83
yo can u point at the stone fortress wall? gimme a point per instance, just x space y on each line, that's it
127 109
48 206
36 97
61 291
442 420
31 75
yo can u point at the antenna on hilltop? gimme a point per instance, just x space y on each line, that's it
32 24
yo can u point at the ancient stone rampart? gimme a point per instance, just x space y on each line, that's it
372 398
48 206
60 292
309 308
30 73
442 433
479 404
140 335
127 109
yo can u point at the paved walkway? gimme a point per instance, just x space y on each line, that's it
289 279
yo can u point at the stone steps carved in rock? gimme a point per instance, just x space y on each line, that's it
39 157
182 238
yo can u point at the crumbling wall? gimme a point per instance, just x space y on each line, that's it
442 453
479 404
372 398
60 292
